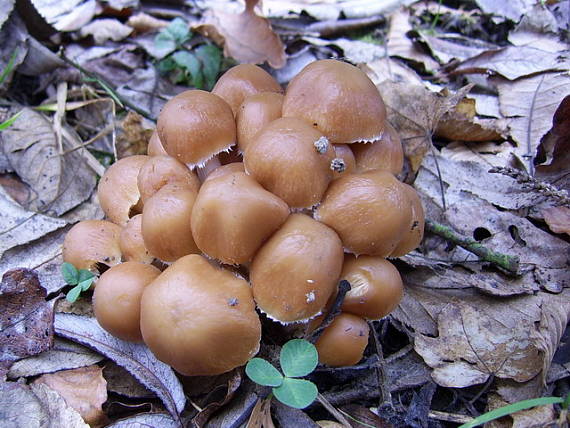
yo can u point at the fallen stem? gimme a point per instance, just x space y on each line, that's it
385 393
343 288
333 411
504 261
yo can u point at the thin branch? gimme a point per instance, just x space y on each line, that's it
333 411
385 394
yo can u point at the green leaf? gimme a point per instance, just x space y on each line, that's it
85 274
298 358
73 294
84 285
566 402
69 273
189 62
8 122
165 65
211 58
9 66
164 43
510 409
178 30
297 393
263 373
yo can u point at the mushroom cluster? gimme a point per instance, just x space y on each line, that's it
253 201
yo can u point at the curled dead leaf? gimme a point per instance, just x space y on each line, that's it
558 219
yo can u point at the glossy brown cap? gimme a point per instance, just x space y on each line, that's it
376 286
131 242
344 153
254 113
243 80
233 215
297 270
285 157
415 232
155 146
196 125
230 168
338 99
159 171
118 192
385 154
166 226
343 342
117 298
199 319
370 212
90 242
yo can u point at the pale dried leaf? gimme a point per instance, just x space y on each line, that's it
60 414
513 62
69 15
390 69
246 37
143 22
539 416
447 47
84 389
490 153
122 382
145 420
486 105
5 9
136 358
20 408
355 51
558 219
538 29
64 355
512 10
103 30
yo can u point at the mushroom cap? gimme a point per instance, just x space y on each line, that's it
118 192
155 147
159 171
233 215
415 233
90 242
243 80
254 113
297 269
386 153
370 212
343 342
117 298
344 152
196 125
200 319
338 99
229 168
166 226
284 159
376 286
131 242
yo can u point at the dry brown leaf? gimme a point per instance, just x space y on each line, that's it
512 10
558 219
538 29
133 136
447 47
539 416
390 69
247 37
142 22
66 15
106 29
84 389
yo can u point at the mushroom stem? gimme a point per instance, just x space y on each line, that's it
205 170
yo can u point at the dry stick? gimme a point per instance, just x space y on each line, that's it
329 27
343 288
333 411
385 394
504 261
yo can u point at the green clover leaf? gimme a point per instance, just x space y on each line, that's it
298 358
297 393
263 372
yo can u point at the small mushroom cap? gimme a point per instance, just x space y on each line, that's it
199 319
196 125
117 298
415 233
338 99
343 342
131 242
166 226
230 168
155 147
118 192
285 160
243 80
370 212
297 269
159 171
385 154
254 113
376 286
90 242
344 152
233 215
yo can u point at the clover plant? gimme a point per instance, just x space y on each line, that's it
81 279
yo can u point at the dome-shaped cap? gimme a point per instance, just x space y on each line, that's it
415 232
343 342
386 154
131 242
254 113
155 147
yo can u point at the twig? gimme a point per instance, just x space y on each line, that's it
327 28
449 417
532 183
343 288
385 394
509 263
333 411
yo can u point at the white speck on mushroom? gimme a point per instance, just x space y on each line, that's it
322 145
311 281
338 165
233 301
310 296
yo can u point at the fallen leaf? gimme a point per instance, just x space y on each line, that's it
68 15
363 417
133 135
142 22
540 416
64 355
491 153
512 10
84 389
26 320
538 29
513 62
558 219
486 104
390 69
285 415
448 47
237 411
232 384
162 420
136 358
355 51
419 408
106 29
120 381
246 37
5 9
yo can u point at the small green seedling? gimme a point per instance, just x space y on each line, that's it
298 358
82 279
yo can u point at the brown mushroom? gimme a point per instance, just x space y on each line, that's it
345 160
385 153
254 113
233 215
155 147
92 242
243 80
415 232
117 297
370 212
343 342
376 286
131 242
338 99
199 319
295 272
292 160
